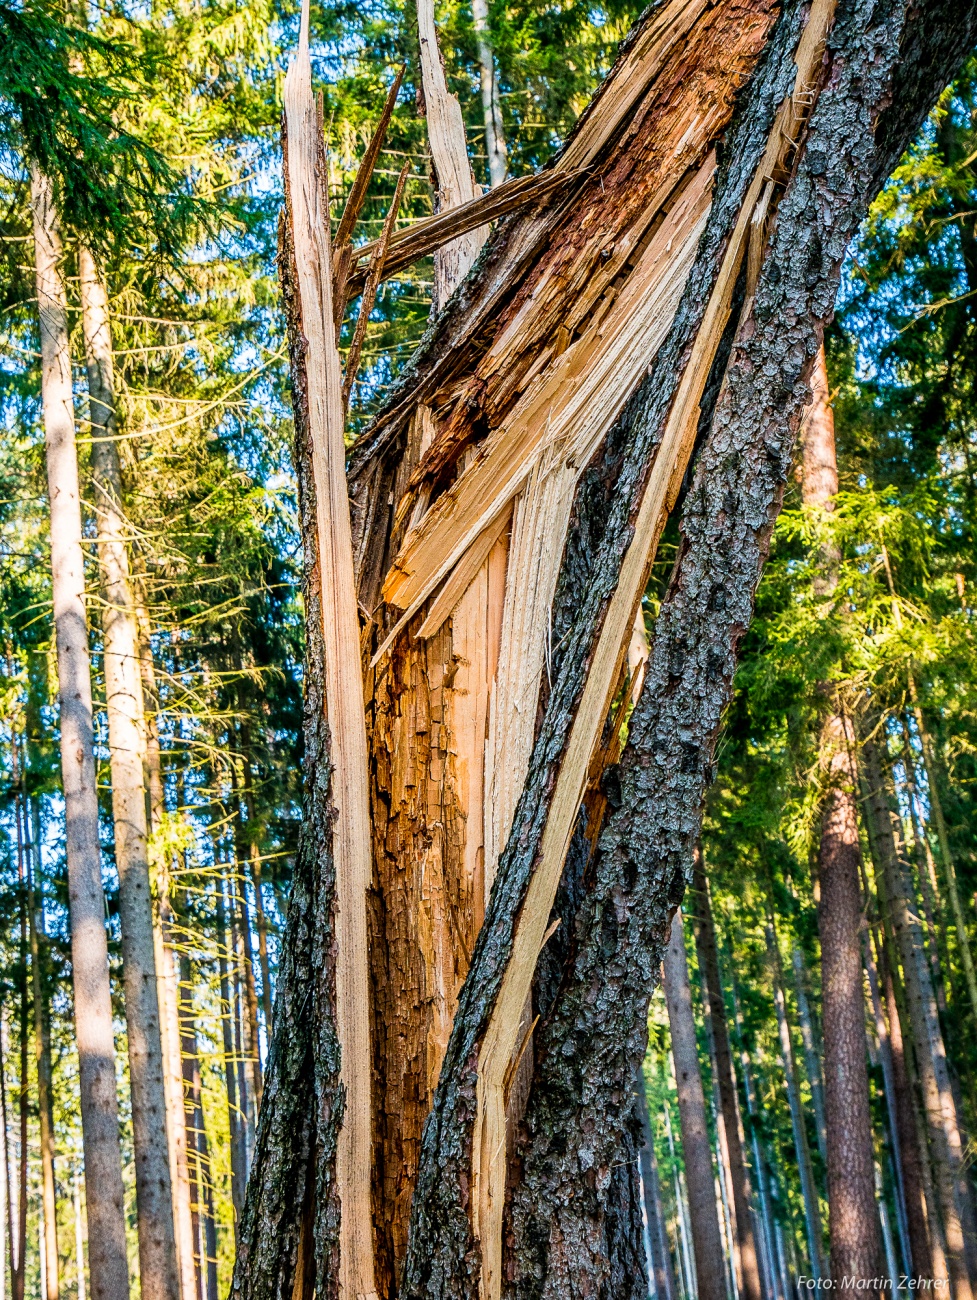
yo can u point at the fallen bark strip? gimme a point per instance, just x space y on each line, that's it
308 204
810 248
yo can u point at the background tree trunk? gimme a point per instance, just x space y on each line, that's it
89 951
705 932
158 1271
696 1147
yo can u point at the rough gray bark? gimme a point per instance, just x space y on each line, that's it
707 1242
89 948
885 65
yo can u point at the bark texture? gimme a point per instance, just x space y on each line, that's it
284 1252
856 1252
707 1240
89 949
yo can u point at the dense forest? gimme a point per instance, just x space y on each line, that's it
812 1027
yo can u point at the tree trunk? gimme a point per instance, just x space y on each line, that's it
847 1121
489 87
518 1200
158 1269
8 1191
853 1224
705 934
236 1105
696 1147
89 951
45 1109
203 1175
661 1255
928 1231
812 1056
812 1211
80 1288
19 1278
929 1051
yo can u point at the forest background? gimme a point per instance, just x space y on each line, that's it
178 107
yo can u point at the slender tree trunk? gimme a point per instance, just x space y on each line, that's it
79 1240
812 1058
929 1051
176 1127
925 865
158 1268
8 1189
254 862
89 951
696 1146
489 86
812 1212
705 932
925 1228
45 1107
239 895
18 1279
204 1207
853 1216
235 1108
661 1256
908 1192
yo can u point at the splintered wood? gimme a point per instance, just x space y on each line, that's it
309 214
462 494
502 1036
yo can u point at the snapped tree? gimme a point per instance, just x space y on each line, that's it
489 865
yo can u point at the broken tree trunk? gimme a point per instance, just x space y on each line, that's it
548 422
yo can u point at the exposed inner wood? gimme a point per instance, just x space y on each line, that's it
560 332
309 205
502 1036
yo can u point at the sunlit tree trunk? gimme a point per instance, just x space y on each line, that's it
661 1255
846 1123
696 1146
158 1265
89 952
812 1211
203 1174
45 1100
